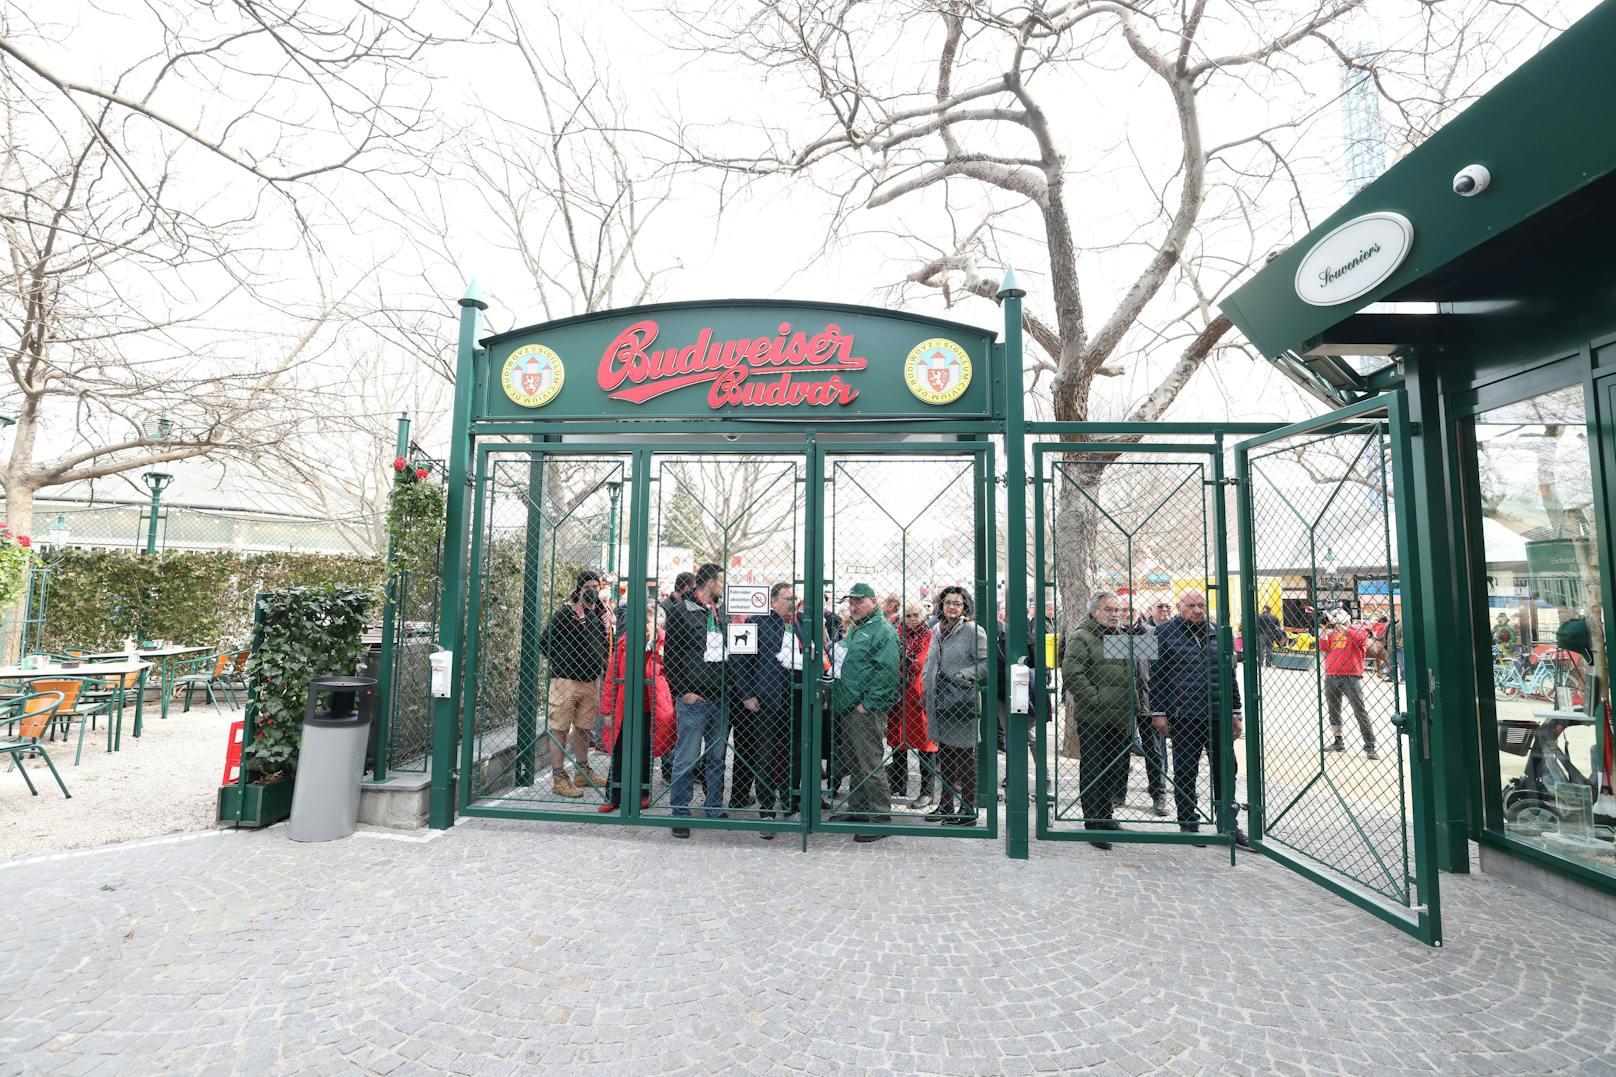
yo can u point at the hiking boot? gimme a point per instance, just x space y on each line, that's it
585 776
680 832
865 839
924 800
564 788
945 810
1159 805
1337 746
1370 753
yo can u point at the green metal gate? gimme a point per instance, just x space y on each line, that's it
747 513
911 522
1338 746
1135 662
529 742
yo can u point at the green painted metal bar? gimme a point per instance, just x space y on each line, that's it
390 623
1228 820
636 722
814 680
1069 448
1042 584
1414 923
986 542
1156 429
1253 655
472 616
1419 732
1320 424
1172 836
1015 584
527 668
808 703
440 804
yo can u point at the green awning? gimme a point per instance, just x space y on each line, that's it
1545 133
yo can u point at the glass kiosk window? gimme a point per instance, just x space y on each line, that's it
1544 619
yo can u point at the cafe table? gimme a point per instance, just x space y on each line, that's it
56 671
164 658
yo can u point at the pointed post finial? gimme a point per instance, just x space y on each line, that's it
473 296
1008 287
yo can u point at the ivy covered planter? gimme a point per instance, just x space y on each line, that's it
298 634
256 805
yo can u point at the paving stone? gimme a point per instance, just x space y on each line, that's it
471 954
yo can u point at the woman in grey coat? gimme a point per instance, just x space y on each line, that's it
955 670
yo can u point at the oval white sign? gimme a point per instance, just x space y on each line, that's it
1354 258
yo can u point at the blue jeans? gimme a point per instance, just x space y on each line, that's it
706 721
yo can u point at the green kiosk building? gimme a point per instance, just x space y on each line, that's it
1475 277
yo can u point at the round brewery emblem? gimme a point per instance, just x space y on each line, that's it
937 371
533 375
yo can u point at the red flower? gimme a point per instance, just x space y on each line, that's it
22 540
399 463
421 473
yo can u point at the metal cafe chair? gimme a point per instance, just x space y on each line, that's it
30 715
208 672
83 700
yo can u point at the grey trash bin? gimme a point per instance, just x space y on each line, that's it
331 762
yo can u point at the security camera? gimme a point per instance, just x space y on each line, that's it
1471 180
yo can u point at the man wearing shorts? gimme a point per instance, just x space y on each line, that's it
575 643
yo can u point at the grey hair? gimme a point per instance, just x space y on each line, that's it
1098 597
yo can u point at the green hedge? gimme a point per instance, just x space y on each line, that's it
307 632
95 598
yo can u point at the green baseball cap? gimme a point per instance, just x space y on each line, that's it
860 590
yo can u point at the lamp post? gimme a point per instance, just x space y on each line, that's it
155 481
615 489
59 533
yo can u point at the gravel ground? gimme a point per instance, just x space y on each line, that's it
163 783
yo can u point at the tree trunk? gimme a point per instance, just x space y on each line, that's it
20 519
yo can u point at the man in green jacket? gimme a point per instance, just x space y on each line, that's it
865 690
1104 689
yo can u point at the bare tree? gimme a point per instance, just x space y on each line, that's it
978 115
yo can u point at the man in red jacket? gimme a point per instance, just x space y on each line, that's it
1344 645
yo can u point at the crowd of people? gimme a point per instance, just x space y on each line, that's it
904 681
898 681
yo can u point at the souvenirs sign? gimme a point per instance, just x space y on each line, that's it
740 359
1354 258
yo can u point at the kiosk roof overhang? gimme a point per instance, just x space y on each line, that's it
1546 134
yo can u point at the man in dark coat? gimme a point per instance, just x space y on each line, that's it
1184 682
769 686
693 655
574 641
1104 684
1271 632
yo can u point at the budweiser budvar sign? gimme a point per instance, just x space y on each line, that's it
790 368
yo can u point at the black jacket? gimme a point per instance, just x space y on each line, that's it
575 646
684 647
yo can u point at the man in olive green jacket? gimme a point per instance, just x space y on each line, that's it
1104 689
865 690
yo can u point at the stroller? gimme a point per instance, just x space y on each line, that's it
1529 800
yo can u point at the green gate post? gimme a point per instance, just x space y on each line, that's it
440 806
1253 673
390 623
1228 820
1015 584
1440 586
527 670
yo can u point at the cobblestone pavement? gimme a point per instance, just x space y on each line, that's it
500 948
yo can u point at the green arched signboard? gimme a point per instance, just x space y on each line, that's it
740 359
